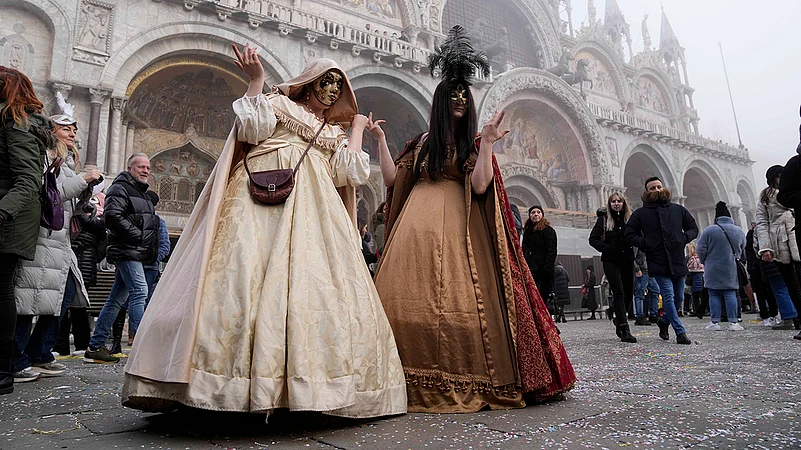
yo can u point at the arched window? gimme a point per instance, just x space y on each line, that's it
185 191
165 189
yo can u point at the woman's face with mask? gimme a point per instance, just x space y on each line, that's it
328 87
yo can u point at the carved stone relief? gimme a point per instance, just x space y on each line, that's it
17 51
179 176
93 33
611 144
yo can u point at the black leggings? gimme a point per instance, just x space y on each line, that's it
8 310
621 282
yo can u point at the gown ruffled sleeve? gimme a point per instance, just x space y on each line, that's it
255 119
349 168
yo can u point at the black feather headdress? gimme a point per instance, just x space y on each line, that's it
457 59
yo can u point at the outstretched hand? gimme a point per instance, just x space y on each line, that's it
375 127
248 61
492 131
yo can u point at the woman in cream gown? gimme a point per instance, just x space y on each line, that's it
265 307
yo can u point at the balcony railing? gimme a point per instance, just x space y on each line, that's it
661 131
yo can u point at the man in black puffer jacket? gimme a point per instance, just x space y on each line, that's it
133 229
662 229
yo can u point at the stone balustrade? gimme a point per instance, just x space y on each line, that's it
659 132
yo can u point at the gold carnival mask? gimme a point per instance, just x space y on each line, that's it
459 96
328 87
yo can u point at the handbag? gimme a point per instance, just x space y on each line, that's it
550 303
742 272
272 187
52 208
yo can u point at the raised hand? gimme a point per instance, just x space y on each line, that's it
375 127
248 61
359 122
492 131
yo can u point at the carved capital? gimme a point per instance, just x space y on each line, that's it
98 95
118 103
64 88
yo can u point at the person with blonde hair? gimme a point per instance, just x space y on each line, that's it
618 259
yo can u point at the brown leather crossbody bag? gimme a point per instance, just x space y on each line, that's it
272 187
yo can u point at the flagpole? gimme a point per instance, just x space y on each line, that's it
731 98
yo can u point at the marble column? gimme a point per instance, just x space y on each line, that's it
129 141
96 99
124 140
115 151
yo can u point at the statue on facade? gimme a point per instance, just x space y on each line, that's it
579 76
93 34
563 66
646 35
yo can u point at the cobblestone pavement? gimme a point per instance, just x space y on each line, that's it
727 390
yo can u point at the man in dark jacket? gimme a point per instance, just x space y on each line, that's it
561 287
662 229
133 229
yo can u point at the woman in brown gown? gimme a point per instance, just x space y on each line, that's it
471 329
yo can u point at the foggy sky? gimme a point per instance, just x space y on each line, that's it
762 46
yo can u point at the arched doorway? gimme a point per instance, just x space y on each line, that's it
747 211
643 163
404 122
701 197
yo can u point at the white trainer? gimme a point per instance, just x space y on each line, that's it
712 327
735 327
767 323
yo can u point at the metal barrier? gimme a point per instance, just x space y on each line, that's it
575 308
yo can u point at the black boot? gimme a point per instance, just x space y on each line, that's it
663 329
592 317
564 319
797 323
7 384
625 334
116 332
797 336
683 339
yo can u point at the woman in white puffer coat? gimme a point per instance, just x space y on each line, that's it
46 286
777 245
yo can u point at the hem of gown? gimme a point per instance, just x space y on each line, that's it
155 396
435 391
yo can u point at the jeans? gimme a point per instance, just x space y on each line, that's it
129 284
653 294
35 348
716 297
783 301
621 282
640 283
668 287
8 310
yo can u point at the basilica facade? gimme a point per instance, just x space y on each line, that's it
589 114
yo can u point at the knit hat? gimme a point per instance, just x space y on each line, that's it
721 210
536 207
773 172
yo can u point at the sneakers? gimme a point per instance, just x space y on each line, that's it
767 323
735 327
26 375
78 353
797 336
712 327
50 368
99 356
780 324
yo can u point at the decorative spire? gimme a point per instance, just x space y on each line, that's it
591 12
613 14
668 38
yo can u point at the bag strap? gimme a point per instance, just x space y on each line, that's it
727 238
297 166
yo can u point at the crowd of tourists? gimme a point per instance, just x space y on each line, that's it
449 305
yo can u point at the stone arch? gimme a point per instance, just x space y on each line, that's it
181 39
748 200
605 56
532 84
539 24
365 205
525 188
56 19
411 88
712 177
640 162
659 79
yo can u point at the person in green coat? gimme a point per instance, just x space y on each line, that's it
24 138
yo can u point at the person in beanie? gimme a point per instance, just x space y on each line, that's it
539 249
662 229
718 248
790 188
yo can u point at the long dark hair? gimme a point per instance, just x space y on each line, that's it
17 91
443 131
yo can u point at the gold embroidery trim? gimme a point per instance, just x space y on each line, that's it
305 132
447 382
